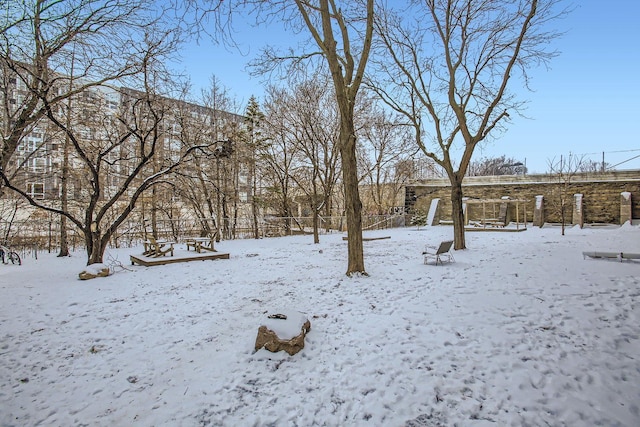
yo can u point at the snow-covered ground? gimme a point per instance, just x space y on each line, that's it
520 330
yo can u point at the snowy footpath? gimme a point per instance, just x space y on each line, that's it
519 331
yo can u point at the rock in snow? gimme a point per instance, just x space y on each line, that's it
283 330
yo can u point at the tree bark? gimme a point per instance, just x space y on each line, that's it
95 242
353 205
347 75
64 179
316 235
457 214
97 250
254 202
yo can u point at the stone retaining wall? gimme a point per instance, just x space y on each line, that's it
601 195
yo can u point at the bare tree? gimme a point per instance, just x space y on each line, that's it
278 155
343 34
593 166
40 42
223 170
8 210
385 142
203 184
451 65
193 125
496 166
121 156
565 170
312 120
50 53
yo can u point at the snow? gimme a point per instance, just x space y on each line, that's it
539 200
285 323
520 330
95 268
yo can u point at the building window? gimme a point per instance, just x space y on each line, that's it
37 164
243 179
174 146
31 142
35 190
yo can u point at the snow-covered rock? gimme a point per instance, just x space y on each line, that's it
94 270
283 330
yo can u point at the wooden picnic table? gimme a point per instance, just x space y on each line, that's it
157 248
201 243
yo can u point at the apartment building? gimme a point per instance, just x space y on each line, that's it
99 119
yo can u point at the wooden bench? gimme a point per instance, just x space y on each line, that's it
487 222
497 224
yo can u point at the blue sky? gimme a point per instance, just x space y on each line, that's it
585 103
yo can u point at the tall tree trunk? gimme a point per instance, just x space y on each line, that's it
97 251
96 244
64 179
286 213
316 214
234 225
353 205
213 228
64 201
226 219
254 202
347 75
563 210
457 214
98 247
154 213
327 213
219 217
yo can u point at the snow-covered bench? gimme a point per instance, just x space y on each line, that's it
618 255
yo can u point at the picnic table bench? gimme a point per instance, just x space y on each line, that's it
493 222
201 243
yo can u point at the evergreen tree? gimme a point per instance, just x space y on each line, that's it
253 119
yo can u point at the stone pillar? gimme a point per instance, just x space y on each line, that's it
626 211
578 215
433 216
538 212
503 213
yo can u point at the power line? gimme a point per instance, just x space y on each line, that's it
628 160
606 152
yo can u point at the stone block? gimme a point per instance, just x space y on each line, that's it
578 215
626 208
538 212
